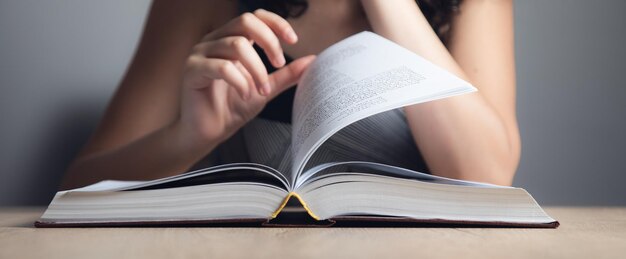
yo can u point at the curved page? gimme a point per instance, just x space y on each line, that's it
358 77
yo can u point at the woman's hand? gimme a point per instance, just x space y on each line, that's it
225 83
166 116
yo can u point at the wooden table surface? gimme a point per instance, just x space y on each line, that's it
585 232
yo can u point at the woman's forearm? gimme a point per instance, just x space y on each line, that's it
165 152
461 137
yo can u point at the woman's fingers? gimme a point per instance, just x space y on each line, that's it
278 24
227 53
213 68
249 25
288 76
236 75
239 48
253 28
246 75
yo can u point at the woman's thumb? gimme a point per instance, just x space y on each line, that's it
289 75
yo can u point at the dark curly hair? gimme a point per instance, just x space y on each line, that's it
438 12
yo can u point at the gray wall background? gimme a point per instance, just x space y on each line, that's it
60 61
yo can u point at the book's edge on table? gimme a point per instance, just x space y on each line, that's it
343 221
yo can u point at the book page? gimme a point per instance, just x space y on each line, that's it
357 77
235 172
361 167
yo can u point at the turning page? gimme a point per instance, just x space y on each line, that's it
358 77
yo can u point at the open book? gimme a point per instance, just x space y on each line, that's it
356 78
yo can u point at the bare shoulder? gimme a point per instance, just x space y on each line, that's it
148 96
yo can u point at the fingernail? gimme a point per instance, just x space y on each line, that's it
281 60
265 89
291 35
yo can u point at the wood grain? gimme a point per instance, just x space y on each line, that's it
586 232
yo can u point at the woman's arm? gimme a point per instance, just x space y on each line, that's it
474 136
194 81
133 137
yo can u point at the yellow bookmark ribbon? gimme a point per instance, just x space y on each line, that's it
293 194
